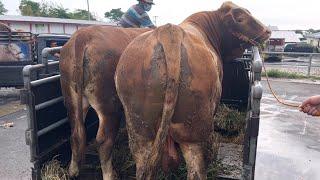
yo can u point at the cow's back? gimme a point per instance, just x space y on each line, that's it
100 43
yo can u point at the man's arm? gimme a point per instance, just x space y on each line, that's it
146 21
311 106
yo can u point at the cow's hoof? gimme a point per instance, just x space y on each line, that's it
73 170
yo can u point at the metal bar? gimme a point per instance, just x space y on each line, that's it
45 80
30 132
48 103
52 126
290 53
45 52
309 65
14 67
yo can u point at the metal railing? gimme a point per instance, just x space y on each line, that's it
252 129
308 63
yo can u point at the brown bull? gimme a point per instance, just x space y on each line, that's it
169 82
87 66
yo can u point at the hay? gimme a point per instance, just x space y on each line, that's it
53 170
230 124
124 165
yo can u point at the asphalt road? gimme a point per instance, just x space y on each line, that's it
289 141
288 144
14 153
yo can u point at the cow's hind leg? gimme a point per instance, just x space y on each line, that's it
108 129
141 151
194 157
78 132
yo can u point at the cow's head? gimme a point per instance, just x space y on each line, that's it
15 51
242 29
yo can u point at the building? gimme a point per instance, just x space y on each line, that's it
279 38
39 25
273 28
314 39
287 35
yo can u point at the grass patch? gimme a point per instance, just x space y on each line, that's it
275 73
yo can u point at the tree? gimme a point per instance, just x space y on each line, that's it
29 8
114 14
2 9
81 14
59 12
45 9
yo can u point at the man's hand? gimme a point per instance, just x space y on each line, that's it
311 106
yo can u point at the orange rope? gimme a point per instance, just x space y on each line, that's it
255 43
281 101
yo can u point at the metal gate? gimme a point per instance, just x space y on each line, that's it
48 127
253 116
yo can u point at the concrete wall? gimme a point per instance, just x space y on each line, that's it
20 26
56 28
70 28
40 28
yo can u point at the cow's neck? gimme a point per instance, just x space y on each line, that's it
210 24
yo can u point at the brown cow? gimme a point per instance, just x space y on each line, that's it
169 83
87 66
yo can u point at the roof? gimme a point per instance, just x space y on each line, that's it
289 36
273 28
50 20
46 35
314 35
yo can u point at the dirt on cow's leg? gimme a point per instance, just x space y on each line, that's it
194 157
144 172
78 132
108 128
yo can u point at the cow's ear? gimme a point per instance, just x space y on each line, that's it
226 14
226 7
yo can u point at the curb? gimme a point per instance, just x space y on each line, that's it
300 81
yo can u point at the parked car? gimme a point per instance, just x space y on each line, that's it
300 47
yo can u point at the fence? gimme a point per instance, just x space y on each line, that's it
307 64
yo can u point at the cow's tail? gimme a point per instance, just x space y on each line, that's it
78 74
170 37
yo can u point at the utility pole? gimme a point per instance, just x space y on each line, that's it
155 20
88 10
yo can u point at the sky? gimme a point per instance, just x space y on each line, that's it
286 14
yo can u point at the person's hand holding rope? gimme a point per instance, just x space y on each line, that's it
311 106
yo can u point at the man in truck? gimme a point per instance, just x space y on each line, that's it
136 16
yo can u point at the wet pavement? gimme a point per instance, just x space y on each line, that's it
289 141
